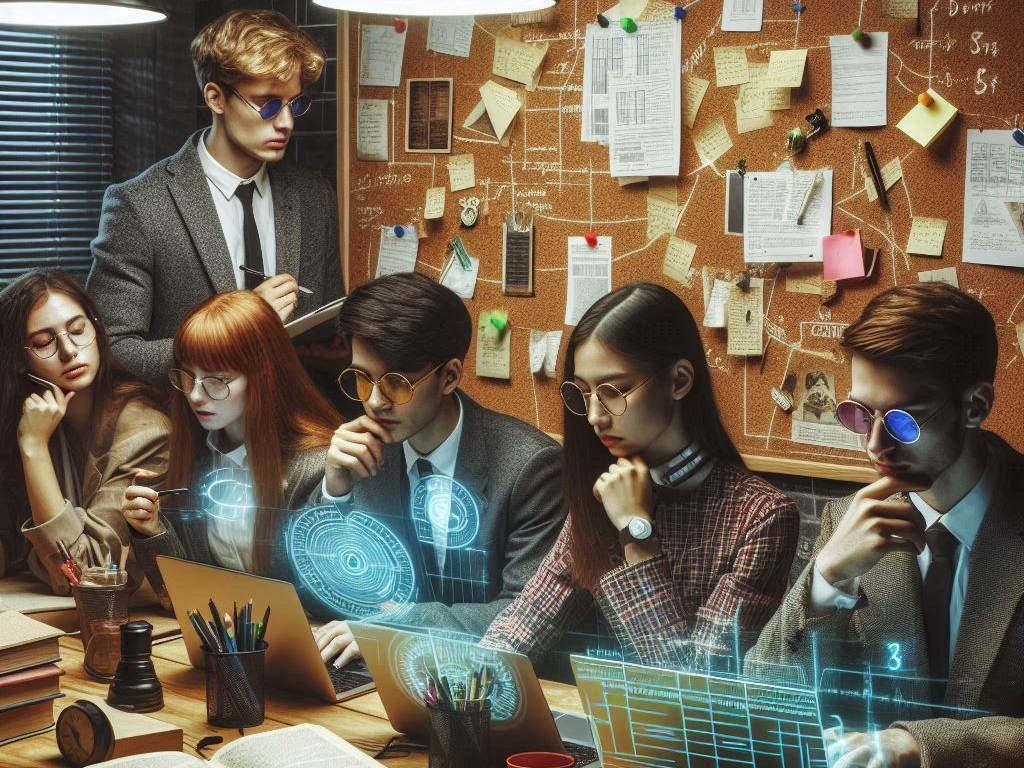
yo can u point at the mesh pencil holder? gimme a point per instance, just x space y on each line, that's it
235 688
460 739
101 609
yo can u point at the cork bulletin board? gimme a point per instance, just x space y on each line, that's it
969 52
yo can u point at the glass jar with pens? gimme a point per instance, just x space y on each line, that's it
101 602
460 719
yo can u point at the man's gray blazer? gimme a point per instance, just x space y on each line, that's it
161 252
512 472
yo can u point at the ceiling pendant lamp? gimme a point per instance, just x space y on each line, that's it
78 13
437 7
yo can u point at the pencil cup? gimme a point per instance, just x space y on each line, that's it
460 739
234 687
102 609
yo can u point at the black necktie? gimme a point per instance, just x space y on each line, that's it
938 589
424 468
253 250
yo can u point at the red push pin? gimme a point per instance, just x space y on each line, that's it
591 238
400 25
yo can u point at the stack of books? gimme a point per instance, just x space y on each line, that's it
29 678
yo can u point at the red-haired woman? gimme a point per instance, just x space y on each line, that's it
74 427
249 436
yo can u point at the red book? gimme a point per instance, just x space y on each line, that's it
29 684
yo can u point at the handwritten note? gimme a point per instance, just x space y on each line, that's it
381 50
945 275
713 141
926 236
858 80
715 312
696 87
372 129
925 124
434 208
731 66
397 254
757 93
900 9
678 260
662 216
752 117
843 254
786 68
804 278
461 172
892 172
746 319
493 348
502 105
452 35
544 352
518 61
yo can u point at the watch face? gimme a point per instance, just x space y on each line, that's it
639 528
83 735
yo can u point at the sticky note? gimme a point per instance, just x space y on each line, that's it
678 258
891 172
804 278
695 88
752 117
899 9
756 92
927 236
714 314
713 141
945 275
518 61
493 348
434 208
786 68
731 66
662 216
461 172
843 255
869 187
925 124
746 319
502 105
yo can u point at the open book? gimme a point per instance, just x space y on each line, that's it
301 746
318 325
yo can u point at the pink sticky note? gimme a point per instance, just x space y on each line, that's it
843 255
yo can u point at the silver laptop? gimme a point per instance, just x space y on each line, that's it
293 661
521 719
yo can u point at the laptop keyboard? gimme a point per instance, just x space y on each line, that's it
352 675
583 754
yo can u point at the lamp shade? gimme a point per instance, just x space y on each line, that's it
78 13
437 7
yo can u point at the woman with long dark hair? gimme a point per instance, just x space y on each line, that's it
74 427
678 543
249 437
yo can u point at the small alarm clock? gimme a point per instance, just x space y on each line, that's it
84 734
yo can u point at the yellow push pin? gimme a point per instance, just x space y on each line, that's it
925 99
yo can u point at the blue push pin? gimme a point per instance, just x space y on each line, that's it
1018 136
680 13
399 230
799 7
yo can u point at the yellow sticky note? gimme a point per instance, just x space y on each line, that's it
518 61
502 105
731 66
755 92
786 68
695 88
745 324
678 259
461 172
713 141
927 236
493 348
804 278
925 124
752 118
899 9
662 216
434 208
892 172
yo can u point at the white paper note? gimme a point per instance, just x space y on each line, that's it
926 236
452 35
381 50
397 254
502 105
742 15
461 172
772 201
644 121
696 87
945 275
678 260
544 351
518 61
434 207
714 315
859 80
590 275
372 129
993 199
462 281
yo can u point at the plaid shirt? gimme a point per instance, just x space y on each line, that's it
726 552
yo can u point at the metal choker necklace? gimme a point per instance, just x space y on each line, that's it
686 464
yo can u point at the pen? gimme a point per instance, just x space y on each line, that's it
172 492
256 272
876 174
807 198
263 625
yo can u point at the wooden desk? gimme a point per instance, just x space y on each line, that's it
361 720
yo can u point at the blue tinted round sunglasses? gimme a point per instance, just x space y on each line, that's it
299 105
900 425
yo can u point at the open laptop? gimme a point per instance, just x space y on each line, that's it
521 720
651 716
293 661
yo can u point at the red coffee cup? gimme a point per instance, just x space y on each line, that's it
539 760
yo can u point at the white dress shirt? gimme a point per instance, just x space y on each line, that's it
443 459
963 520
229 210
231 540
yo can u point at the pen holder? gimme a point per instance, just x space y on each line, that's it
102 609
234 687
460 739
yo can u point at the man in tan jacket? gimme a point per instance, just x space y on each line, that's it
922 570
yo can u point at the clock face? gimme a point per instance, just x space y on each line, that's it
83 733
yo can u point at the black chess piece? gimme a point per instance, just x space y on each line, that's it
136 687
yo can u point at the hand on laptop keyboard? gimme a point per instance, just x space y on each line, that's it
336 643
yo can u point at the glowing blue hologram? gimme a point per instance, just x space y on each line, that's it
351 561
412 655
895 657
440 502
227 493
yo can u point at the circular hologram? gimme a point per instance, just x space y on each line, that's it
351 562
438 499
227 493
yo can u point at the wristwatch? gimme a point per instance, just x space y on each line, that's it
637 531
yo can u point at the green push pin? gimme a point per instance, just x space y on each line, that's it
628 24
860 35
795 140
499 320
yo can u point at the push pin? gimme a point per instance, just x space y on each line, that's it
818 121
602 20
628 24
925 99
741 167
796 142
499 320
860 36
591 237
399 230
799 7
1018 136
400 25
744 284
679 13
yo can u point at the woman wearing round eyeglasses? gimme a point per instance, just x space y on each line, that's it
73 426
675 540
249 436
